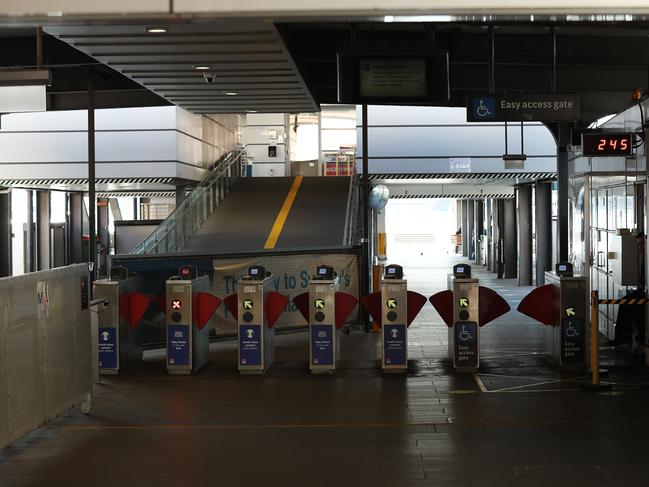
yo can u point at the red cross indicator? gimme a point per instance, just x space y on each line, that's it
176 304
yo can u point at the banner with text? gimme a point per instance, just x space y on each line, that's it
540 107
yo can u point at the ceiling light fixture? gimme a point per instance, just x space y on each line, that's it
230 93
157 29
202 67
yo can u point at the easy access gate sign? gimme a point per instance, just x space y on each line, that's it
540 107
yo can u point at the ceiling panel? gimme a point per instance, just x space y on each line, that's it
246 58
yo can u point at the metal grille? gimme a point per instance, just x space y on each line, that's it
458 196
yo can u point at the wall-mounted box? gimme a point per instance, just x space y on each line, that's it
623 261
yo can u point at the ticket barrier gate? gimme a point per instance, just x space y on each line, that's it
188 308
394 308
120 341
561 305
465 307
325 308
256 309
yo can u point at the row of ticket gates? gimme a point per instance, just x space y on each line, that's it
465 307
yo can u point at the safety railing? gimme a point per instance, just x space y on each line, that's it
351 218
595 302
181 225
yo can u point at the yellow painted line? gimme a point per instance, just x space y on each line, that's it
271 241
478 381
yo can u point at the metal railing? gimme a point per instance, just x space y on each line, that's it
179 227
350 236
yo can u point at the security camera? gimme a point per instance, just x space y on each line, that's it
209 78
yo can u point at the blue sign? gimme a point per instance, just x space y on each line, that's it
322 345
394 344
466 344
178 344
572 341
107 348
484 108
250 345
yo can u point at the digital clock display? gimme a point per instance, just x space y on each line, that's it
607 144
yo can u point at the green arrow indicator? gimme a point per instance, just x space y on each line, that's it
319 303
247 304
570 312
392 303
463 302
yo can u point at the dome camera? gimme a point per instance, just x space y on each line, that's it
209 78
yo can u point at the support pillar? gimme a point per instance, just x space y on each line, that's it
181 189
30 236
563 138
510 250
499 235
365 208
75 227
465 228
489 212
104 238
43 216
543 209
524 235
479 227
5 232
470 234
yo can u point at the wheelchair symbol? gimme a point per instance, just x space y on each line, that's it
571 331
482 111
465 335
250 333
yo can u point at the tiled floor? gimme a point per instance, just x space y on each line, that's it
533 426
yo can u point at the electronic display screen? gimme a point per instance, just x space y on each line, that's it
392 270
390 78
607 144
563 268
322 271
460 270
253 271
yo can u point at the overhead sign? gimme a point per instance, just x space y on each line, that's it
540 107
394 77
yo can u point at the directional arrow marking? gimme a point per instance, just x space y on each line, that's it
392 303
464 302
319 303
570 312
247 304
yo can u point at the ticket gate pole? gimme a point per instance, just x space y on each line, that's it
394 308
119 342
561 305
325 308
465 307
256 309
188 308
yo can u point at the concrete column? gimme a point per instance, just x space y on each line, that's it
524 235
5 232
75 227
43 215
465 226
104 238
471 228
510 250
499 233
181 189
479 227
543 210
489 210
30 236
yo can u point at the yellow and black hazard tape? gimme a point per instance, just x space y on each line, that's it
624 301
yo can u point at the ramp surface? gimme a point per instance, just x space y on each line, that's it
244 220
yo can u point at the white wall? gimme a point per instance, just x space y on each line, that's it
130 142
261 131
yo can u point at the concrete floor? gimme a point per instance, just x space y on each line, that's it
520 422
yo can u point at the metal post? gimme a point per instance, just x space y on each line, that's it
43 245
465 228
478 206
471 229
365 250
92 242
